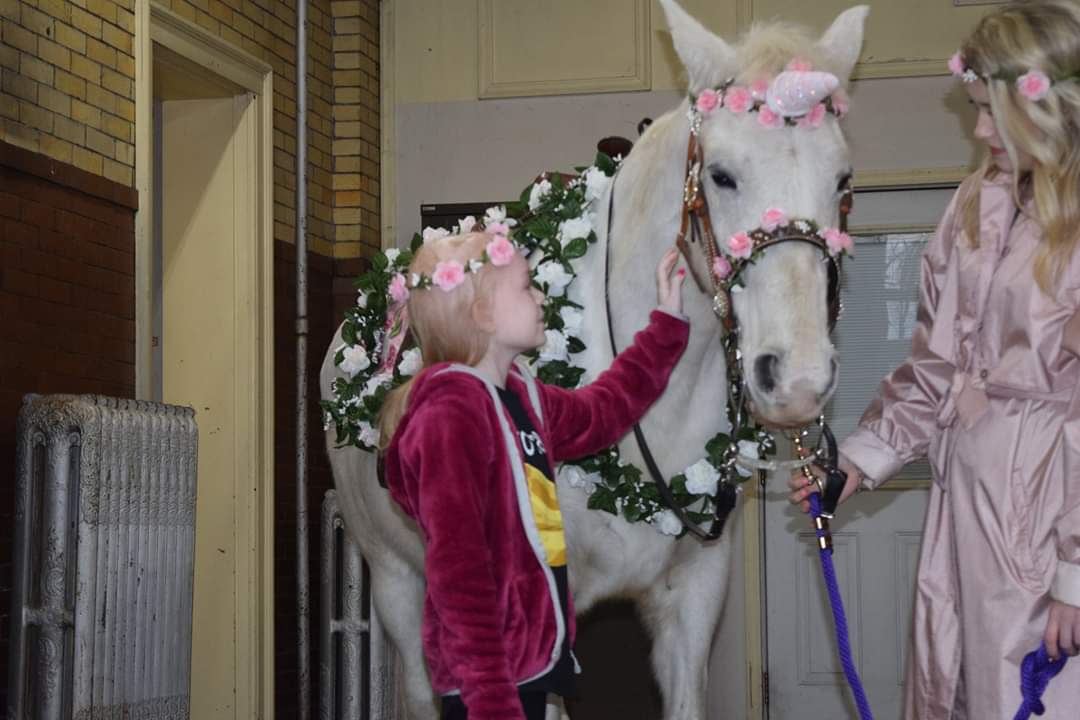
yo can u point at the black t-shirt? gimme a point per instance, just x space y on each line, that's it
538 473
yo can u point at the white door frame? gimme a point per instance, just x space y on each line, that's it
254 400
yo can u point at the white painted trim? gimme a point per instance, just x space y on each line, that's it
253 643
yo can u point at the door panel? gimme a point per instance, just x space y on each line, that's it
199 363
875 535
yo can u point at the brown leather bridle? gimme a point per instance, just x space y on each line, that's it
697 224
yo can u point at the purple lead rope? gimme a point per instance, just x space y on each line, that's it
1035 674
840 620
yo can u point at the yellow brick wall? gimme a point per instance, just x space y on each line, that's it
68 83
356 127
68 92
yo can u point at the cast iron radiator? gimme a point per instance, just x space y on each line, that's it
358 671
104 554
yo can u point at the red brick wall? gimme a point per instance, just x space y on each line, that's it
67 306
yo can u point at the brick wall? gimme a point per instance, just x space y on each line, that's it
356 127
67 306
68 87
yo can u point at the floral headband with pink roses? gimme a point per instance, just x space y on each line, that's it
743 248
798 96
449 274
1033 84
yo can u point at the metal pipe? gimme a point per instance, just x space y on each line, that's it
302 599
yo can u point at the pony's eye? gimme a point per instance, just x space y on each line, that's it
722 179
844 182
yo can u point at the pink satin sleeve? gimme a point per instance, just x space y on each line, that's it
900 421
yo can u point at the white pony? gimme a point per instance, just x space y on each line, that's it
678 585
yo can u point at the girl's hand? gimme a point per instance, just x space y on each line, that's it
801 486
1062 630
668 290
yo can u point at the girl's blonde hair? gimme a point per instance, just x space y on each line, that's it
1037 35
443 324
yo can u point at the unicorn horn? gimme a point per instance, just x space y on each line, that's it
794 92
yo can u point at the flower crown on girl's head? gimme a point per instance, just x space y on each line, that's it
449 274
1033 84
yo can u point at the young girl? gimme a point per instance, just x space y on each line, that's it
475 441
991 390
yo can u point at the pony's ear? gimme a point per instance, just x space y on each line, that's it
707 58
843 40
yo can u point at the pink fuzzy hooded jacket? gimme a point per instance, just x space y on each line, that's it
491 614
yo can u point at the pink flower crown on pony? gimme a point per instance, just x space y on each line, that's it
1033 84
449 274
740 249
798 96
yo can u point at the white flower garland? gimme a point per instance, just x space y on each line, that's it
556 221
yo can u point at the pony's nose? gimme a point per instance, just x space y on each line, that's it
765 371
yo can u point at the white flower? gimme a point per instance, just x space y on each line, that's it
374 383
574 228
414 280
411 362
537 194
431 233
475 265
554 275
327 421
354 359
368 435
575 477
701 478
747 448
391 254
666 522
466 224
596 183
497 214
554 347
361 299
572 319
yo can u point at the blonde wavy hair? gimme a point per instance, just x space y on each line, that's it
1043 35
443 324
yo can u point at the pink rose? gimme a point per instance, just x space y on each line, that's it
737 99
707 101
767 118
497 228
759 89
837 242
956 64
500 251
399 292
813 118
740 245
773 218
1034 84
840 103
799 65
448 274
721 268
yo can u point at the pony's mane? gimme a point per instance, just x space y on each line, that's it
768 47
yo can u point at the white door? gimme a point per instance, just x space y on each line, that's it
875 535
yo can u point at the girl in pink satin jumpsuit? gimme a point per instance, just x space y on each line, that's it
990 393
